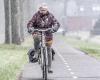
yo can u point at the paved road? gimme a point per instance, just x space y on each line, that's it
69 64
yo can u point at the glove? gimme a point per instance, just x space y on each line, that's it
52 30
30 30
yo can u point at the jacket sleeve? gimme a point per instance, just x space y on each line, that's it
32 21
55 24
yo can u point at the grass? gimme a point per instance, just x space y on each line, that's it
92 49
12 59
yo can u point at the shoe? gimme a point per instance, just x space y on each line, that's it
35 60
50 71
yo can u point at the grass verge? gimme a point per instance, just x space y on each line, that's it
92 49
12 59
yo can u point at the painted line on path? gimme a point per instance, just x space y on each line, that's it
66 64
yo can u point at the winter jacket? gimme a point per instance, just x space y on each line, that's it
40 21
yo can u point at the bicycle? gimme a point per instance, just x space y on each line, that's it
43 56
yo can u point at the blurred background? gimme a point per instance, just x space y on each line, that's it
79 19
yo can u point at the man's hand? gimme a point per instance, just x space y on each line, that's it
51 30
36 35
30 30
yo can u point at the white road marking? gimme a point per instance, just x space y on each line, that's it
75 77
62 59
69 69
65 62
71 72
68 66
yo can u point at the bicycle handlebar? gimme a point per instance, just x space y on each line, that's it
42 30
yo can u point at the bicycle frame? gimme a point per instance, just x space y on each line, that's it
42 43
43 57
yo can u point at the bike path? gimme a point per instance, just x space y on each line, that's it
33 71
83 66
69 64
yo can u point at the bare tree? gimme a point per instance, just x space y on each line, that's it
15 22
21 2
7 21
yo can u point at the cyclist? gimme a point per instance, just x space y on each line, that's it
43 19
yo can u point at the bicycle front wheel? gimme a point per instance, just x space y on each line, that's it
45 68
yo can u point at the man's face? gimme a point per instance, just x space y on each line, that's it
43 10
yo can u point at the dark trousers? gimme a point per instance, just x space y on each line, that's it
48 44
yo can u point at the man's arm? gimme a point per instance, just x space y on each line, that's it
55 24
31 23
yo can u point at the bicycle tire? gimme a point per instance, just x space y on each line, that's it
41 58
45 72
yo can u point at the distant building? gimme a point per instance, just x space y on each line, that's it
84 14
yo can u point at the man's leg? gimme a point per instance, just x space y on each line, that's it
49 50
36 45
49 59
53 53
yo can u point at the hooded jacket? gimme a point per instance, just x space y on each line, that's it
40 21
